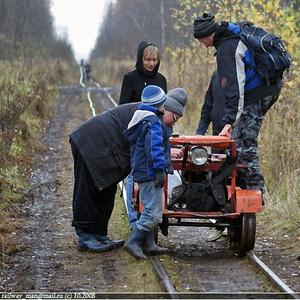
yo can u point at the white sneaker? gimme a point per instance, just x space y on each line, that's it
216 234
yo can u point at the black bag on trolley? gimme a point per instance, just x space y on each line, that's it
207 195
199 197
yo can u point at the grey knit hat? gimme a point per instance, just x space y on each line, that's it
176 100
204 25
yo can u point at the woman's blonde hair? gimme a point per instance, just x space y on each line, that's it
150 51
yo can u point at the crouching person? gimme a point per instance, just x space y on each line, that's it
148 163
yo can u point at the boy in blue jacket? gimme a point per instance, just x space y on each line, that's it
148 162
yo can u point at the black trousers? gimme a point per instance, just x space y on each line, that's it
92 208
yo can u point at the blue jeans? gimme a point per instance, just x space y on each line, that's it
132 214
173 180
152 201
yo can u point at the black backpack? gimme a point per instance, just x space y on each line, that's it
207 195
270 56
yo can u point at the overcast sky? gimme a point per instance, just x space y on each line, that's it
80 20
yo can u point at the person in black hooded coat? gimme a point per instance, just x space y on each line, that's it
101 159
213 110
146 73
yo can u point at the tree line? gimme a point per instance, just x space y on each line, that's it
163 22
27 30
129 22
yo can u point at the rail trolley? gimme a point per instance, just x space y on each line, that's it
210 191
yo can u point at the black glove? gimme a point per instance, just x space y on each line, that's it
160 179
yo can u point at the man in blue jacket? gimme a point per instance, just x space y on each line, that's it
247 95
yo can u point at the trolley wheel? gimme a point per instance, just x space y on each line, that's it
242 233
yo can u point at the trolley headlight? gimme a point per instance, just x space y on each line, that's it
199 156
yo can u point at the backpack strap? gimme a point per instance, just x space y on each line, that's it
217 186
225 170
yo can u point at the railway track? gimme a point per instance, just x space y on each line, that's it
264 282
220 272
201 289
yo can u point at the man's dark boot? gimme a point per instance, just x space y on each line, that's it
150 247
106 240
88 242
134 243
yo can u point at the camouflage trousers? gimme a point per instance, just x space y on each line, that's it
245 133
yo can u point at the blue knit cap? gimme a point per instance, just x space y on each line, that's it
153 95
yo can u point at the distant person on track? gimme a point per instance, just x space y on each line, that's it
150 163
88 70
145 73
101 160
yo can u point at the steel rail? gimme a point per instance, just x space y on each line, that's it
164 278
271 275
98 86
87 91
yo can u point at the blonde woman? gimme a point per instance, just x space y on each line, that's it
146 73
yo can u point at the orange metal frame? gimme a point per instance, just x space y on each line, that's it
241 201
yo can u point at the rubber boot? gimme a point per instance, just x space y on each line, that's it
106 240
150 247
88 242
134 243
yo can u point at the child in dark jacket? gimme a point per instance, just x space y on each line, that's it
148 163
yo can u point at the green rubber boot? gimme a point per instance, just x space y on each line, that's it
150 247
135 242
